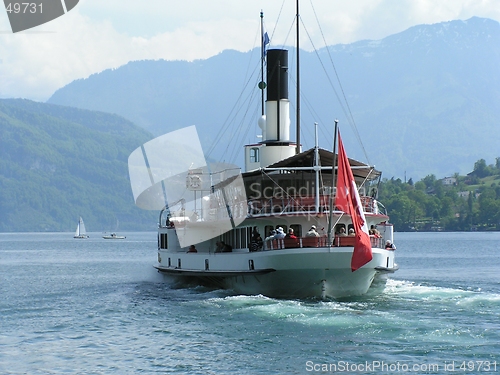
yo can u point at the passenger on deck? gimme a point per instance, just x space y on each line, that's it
192 249
255 232
220 246
374 232
271 235
352 232
312 232
291 235
279 234
389 245
342 232
256 242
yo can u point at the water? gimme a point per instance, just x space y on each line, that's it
98 307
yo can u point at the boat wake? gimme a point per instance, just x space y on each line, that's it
434 315
427 292
397 295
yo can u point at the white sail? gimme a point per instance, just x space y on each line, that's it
80 229
81 225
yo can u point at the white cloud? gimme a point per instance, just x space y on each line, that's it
98 35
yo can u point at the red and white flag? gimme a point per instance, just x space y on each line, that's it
348 200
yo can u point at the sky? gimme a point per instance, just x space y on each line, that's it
104 34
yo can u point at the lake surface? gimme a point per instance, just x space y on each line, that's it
98 306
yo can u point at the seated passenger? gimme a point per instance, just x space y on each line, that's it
291 235
342 232
256 242
255 232
279 234
352 232
192 249
312 232
374 232
271 235
220 246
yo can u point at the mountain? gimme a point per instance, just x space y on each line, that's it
426 100
57 163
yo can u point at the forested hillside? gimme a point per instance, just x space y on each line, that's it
454 203
57 163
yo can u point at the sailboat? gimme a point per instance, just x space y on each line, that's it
80 230
282 232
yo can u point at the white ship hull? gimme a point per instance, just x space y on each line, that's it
113 236
288 273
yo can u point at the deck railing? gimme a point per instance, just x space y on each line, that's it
277 206
264 207
301 242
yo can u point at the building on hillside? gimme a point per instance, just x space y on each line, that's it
465 194
449 181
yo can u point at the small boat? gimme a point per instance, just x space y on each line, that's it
80 230
113 236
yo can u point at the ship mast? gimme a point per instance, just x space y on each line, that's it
297 149
262 56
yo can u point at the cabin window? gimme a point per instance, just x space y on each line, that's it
226 238
249 236
162 241
244 237
238 238
254 155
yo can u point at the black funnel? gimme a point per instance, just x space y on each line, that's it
277 74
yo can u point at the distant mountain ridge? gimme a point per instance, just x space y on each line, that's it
57 163
426 100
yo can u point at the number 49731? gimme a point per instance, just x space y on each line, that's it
24 8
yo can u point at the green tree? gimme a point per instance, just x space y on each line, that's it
481 169
429 181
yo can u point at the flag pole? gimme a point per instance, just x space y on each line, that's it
316 167
330 208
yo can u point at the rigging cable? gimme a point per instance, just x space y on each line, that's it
347 113
232 114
